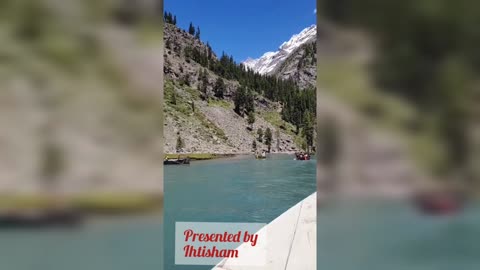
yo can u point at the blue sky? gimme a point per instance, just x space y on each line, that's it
244 28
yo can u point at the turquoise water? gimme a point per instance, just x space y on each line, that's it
110 244
384 235
233 190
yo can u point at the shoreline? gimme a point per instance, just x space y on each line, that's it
212 156
91 204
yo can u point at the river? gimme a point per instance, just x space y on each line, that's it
233 190
379 235
124 243
352 235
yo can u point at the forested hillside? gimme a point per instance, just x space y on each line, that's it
215 103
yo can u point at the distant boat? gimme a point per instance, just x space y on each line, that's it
440 203
176 161
302 156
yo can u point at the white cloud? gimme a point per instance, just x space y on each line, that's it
315 11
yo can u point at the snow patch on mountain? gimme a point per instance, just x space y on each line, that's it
270 60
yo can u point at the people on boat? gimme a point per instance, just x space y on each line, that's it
302 156
262 155
179 160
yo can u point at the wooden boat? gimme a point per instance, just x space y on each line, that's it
261 156
440 203
176 161
301 156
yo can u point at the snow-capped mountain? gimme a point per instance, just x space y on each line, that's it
270 60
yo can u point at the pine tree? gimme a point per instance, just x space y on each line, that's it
268 139
185 80
209 51
174 20
260 134
205 76
202 87
308 129
254 145
219 88
203 84
191 29
173 99
239 100
249 102
304 146
251 120
180 144
197 34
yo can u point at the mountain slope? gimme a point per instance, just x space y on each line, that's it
271 60
300 66
199 121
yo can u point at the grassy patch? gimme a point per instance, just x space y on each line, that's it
276 120
299 140
211 126
179 104
273 118
114 202
194 93
220 103
177 101
199 156
168 90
